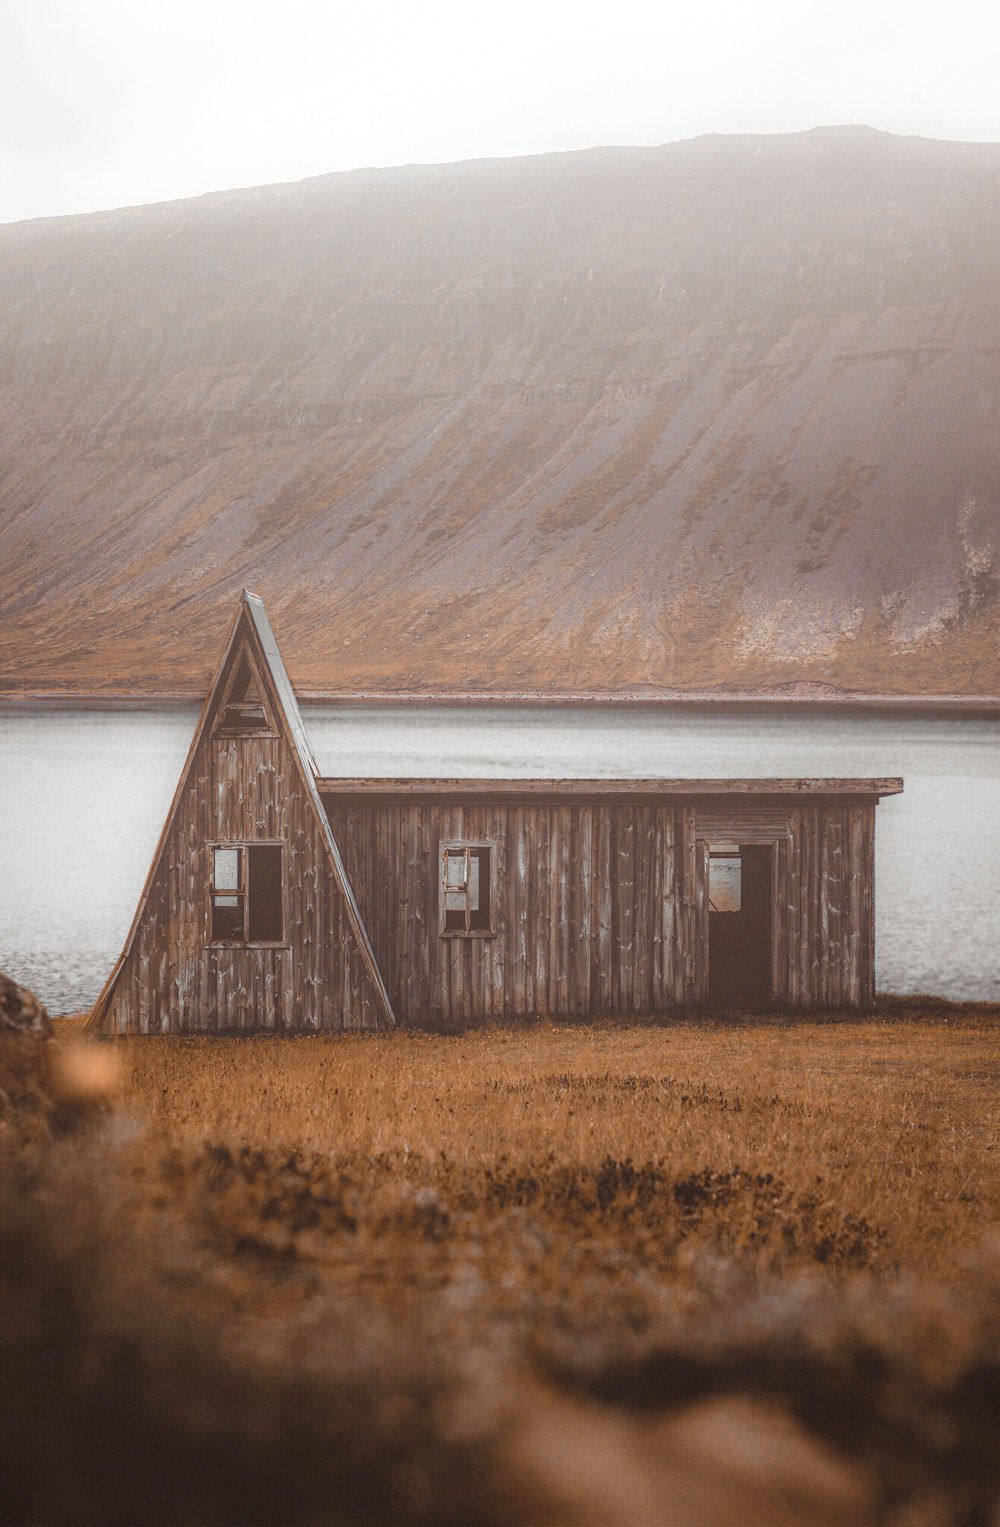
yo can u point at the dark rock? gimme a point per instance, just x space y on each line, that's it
20 1010
26 1045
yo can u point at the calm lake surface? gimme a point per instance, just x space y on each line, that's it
83 795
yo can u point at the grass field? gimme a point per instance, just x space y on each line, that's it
691 1272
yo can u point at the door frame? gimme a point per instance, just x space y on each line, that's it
778 842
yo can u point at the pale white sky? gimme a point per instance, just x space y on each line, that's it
105 103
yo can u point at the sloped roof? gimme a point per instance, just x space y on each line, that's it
254 606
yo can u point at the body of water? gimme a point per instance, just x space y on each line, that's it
83 795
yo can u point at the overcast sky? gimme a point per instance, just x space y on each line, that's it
105 103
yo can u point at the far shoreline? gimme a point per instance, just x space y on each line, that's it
734 702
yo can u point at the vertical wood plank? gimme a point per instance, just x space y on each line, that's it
583 910
543 921
779 921
825 951
793 912
520 914
854 993
668 906
426 885
642 933
616 912
562 921
807 992
838 942
702 925
656 911
593 952
816 932
624 903
605 910
869 908
497 964
689 905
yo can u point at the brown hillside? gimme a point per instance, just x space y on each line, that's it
723 412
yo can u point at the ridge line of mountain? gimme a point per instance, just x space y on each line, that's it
722 414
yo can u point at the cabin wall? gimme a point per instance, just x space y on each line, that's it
589 905
825 950
241 790
602 907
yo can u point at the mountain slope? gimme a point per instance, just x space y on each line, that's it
724 412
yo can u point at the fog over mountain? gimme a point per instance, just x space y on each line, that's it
725 412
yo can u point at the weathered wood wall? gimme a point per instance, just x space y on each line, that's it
241 789
824 943
601 907
589 907
599 901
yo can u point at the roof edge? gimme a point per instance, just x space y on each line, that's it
98 1012
742 787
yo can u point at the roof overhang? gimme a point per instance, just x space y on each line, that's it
604 789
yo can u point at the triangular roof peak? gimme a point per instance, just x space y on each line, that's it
252 606
252 628
252 610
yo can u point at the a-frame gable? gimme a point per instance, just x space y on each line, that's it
251 643
291 719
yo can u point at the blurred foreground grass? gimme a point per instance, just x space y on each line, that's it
699 1272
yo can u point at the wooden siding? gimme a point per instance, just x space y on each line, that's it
822 898
172 979
602 907
599 899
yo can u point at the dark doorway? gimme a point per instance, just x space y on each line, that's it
739 925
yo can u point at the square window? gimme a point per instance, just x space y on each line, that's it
246 894
466 888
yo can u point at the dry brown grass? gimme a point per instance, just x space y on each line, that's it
551 1261
832 1147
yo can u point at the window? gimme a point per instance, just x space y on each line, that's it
466 888
725 880
246 899
244 711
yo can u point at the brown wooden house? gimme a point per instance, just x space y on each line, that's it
280 899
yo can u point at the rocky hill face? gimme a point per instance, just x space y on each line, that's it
725 412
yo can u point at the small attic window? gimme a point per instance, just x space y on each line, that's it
243 711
